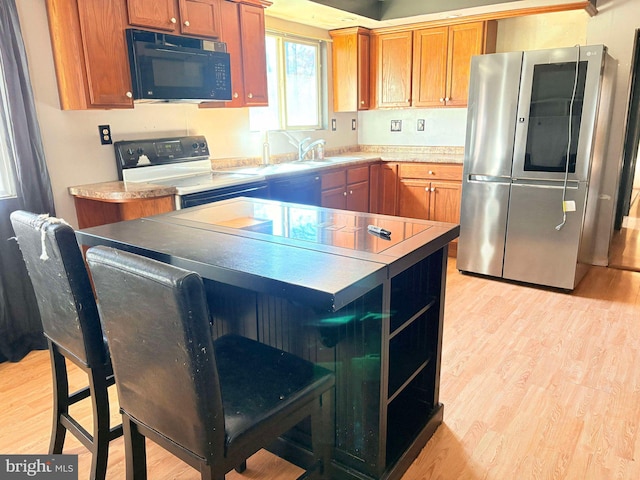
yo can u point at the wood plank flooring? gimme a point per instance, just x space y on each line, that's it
537 384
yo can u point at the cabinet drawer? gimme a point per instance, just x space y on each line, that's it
333 179
439 171
358 174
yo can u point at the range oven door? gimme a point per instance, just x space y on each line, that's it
256 189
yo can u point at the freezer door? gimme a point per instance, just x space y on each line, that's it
483 222
557 110
535 251
491 114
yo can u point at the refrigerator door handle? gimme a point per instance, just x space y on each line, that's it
489 179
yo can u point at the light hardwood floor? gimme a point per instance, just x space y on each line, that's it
536 384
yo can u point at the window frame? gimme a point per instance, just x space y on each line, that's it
281 75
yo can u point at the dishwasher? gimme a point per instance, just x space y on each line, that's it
304 189
255 189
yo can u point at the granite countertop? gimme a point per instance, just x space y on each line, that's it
119 191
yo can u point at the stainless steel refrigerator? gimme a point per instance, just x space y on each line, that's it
535 141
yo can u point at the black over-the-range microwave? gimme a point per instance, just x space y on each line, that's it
168 68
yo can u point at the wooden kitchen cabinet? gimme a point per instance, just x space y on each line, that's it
254 57
442 60
383 188
431 191
346 189
201 18
428 67
90 53
243 32
351 67
392 55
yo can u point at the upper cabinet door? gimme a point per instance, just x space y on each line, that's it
105 54
159 14
429 67
363 71
350 52
254 56
465 41
232 36
200 18
393 69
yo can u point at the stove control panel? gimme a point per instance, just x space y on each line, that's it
159 151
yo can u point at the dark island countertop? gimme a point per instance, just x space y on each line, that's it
321 257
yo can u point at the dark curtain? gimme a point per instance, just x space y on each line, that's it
20 328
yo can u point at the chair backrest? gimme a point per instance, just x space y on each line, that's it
157 324
61 284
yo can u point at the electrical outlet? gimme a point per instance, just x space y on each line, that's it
421 124
105 134
333 124
353 124
396 125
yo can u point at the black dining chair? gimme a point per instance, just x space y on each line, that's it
72 327
212 404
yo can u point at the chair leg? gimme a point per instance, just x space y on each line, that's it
135 450
101 422
242 467
60 399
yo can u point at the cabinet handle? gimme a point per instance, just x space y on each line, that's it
433 189
250 95
431 172
344 193
350 192
447 99
186 23
129 95
235 95
441 100
173 20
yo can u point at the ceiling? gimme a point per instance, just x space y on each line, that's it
384 13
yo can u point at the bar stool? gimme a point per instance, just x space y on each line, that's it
71 325
211 403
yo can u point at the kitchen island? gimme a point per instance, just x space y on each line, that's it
317 283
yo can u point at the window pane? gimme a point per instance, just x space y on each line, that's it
301 77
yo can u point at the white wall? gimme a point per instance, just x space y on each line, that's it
72 146
534 32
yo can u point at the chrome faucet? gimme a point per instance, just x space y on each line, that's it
302 145
304 149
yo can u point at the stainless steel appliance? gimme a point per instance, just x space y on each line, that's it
536 133
172 68
184 163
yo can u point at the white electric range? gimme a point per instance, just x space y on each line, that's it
184 163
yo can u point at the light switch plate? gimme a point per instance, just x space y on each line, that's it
421 125
353 124
333 124
396 125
